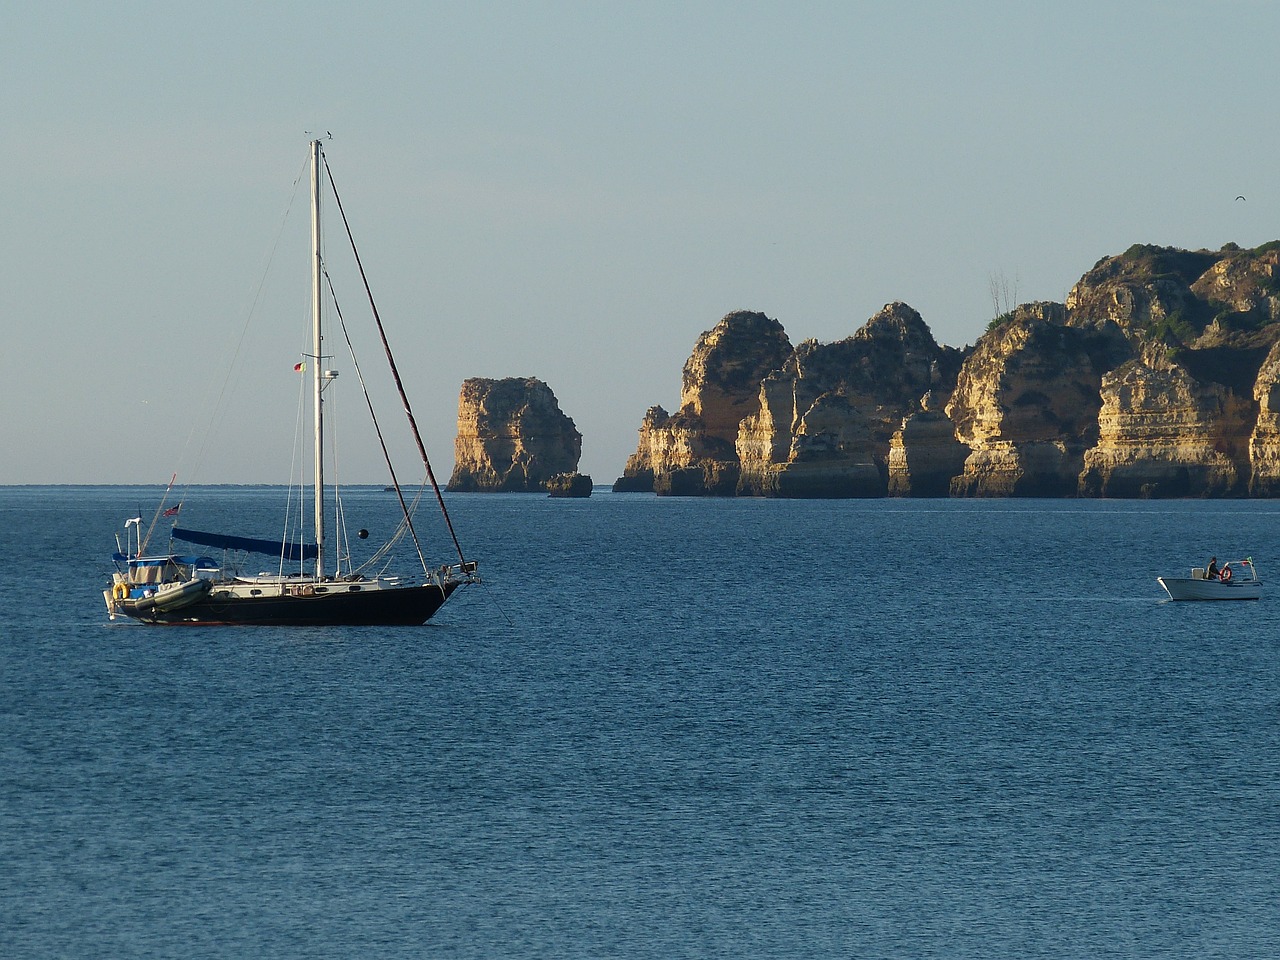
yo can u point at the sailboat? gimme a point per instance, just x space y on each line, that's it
192 588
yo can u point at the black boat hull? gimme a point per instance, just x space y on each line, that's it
399 606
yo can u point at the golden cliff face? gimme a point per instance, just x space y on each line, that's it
1188 415
724 371
1162 433
1264 444
1245 285
1053 403
676 455
924 454
692 452
1026 403
1159 377
827 419
1146 288
512 437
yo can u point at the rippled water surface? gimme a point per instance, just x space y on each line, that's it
662 728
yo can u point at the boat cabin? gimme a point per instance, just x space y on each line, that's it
153 571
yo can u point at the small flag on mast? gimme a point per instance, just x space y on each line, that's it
173 511
299 367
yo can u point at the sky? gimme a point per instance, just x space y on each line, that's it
571 191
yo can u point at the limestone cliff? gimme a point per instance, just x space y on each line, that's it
1145 290
924 453
1194 298
1264 444
827 418
676 456
1189 414
512 437
1026 403
1243 288
1159 376
691 453
1176 412
1163 433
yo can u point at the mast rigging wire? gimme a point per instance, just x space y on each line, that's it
395 373
377 427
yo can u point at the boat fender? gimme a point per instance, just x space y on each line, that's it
307 591
120 591
1225 575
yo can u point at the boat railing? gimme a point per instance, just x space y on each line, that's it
1243 569
1240 569
465 572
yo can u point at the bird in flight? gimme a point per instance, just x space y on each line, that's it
1239 198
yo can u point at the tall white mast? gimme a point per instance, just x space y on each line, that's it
317 353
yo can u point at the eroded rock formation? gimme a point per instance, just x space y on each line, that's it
691 452
924 454
569 485
1190 413
1163 433
1026 403
512 437
827 418
1159 377
1264 445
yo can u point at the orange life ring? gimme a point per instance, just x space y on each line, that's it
1225 575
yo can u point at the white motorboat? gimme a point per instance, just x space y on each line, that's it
1237 581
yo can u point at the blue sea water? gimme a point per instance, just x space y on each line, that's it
662 728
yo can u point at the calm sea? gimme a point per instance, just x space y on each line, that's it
662 728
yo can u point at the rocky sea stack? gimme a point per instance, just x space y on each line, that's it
1159 377
512 437
569 485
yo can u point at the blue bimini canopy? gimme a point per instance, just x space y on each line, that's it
272 548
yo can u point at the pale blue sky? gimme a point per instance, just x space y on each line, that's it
572 191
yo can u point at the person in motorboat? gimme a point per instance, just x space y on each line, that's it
1212 572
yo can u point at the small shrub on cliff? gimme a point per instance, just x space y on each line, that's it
1175 326
1000 320
1152 262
